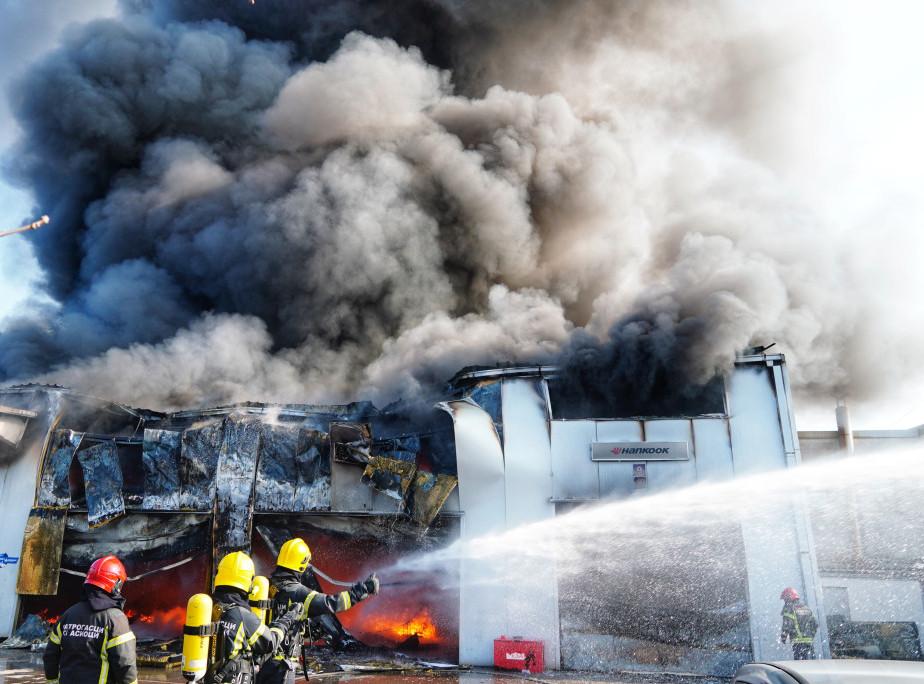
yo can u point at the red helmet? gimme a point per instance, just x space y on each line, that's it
107 573
789 594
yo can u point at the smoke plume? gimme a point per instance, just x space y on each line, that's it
296 200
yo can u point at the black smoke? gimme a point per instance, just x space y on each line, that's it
313 201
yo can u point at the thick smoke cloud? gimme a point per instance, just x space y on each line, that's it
306 201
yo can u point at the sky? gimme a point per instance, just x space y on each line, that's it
751 172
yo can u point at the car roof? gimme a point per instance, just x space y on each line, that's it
849 671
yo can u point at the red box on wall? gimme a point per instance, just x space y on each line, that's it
517 653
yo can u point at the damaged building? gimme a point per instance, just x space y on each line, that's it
172 494
606 539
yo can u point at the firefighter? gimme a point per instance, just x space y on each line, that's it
91 641
241 639
799 625
286 590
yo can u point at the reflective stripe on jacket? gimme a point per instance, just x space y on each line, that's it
242 636
88 646
792 629
287 590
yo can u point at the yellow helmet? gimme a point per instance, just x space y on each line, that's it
294 555
235 570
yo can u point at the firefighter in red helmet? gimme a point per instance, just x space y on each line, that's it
799 625
91 641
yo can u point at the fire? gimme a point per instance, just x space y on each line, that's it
420 626
158 623
47 615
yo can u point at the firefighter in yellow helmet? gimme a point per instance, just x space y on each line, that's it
241 637
287 590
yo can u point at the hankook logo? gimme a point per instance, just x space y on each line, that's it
640 451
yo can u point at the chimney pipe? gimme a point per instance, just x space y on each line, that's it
844 433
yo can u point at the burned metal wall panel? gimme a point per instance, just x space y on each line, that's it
277 468
389 476
234 480
428 494
488 395
138 537
313 467
41 552
199 449
53 489
161 461
102 480
293 471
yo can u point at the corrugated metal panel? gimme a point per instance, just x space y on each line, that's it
428 494
482 496
616 478
235 473
160 457
199 449
53 490
347 493
574 475
102 481
41 552
712 447
754 421
312 463
528 471
19 471
672 474
777 535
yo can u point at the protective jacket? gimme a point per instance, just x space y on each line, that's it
287 590
91 643
242 638
799 625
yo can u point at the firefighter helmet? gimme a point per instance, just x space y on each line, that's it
789 594
235 570
107 573
294 555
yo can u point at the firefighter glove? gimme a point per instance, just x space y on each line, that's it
362 590
291 617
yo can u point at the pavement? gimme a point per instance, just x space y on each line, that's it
23 666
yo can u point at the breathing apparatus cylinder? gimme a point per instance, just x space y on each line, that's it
259 597
196 635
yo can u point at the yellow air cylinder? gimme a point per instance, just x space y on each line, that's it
259 597
196 634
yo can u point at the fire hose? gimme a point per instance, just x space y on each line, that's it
136 577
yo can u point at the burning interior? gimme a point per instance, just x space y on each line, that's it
170 494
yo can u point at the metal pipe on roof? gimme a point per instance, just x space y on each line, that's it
32 226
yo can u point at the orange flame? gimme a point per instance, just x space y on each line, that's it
398 630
